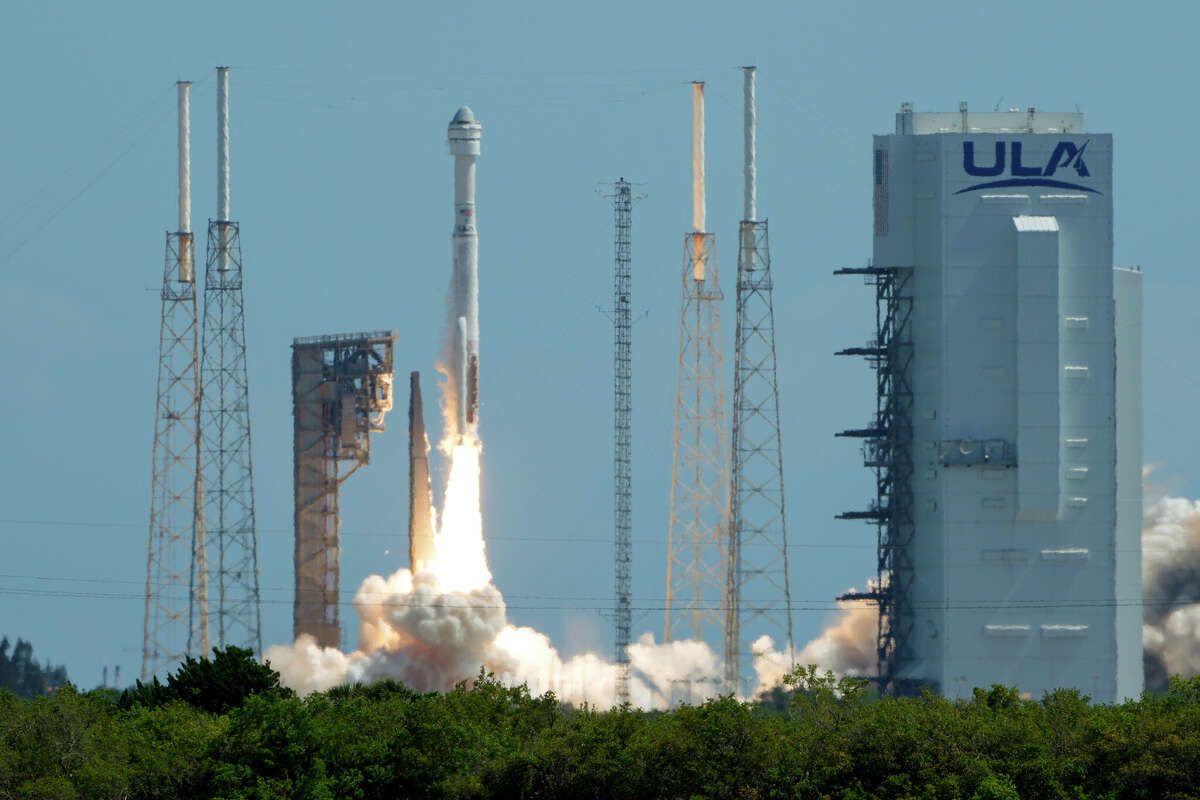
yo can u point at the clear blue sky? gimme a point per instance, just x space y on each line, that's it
342 184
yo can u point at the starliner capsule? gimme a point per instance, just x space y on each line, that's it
464 136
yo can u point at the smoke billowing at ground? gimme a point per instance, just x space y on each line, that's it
1170 586
435 628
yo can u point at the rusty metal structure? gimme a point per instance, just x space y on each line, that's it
341 392
697 581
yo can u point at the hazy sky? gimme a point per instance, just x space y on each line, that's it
343 187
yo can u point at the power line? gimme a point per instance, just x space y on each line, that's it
400 534
602 602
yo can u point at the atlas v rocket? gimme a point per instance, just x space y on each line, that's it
464 135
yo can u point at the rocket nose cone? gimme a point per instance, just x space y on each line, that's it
463 116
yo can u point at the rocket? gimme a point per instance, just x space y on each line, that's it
464 135
421 550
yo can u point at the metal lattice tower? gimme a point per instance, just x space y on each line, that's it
697 549
699 522
225 418
887 451
341 391
176 622
622 319
760 599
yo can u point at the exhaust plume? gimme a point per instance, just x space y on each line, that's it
1170 586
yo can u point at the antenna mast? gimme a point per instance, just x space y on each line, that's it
622 320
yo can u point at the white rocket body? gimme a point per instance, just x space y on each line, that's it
464 136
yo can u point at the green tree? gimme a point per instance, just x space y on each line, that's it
216 685
20 674
269 750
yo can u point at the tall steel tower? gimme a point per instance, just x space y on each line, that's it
622 321
176 621
697 549
341 391
225 417
760 599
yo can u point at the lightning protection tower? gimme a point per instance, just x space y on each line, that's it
622 321
225 417
341 390
760 600
176 622
699 521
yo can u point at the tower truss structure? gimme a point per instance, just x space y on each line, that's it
699 520
759 591
225 428
622 320
341 391
225 418
887 451
176 621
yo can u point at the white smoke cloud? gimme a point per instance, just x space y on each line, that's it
306 667
1170 585
413 632
847 645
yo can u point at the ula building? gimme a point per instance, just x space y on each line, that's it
1006 442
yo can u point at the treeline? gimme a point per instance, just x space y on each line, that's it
225 728
23 676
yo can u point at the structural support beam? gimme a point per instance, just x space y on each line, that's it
341 391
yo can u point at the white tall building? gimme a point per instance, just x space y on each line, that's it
1015 396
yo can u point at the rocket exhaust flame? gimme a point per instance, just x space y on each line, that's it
460 563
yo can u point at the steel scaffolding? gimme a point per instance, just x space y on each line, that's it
699 520
225 431
176 592
341 390
622 320
760 599
887 451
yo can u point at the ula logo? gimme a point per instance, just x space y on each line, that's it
1007 157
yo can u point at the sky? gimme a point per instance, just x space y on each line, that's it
342 184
